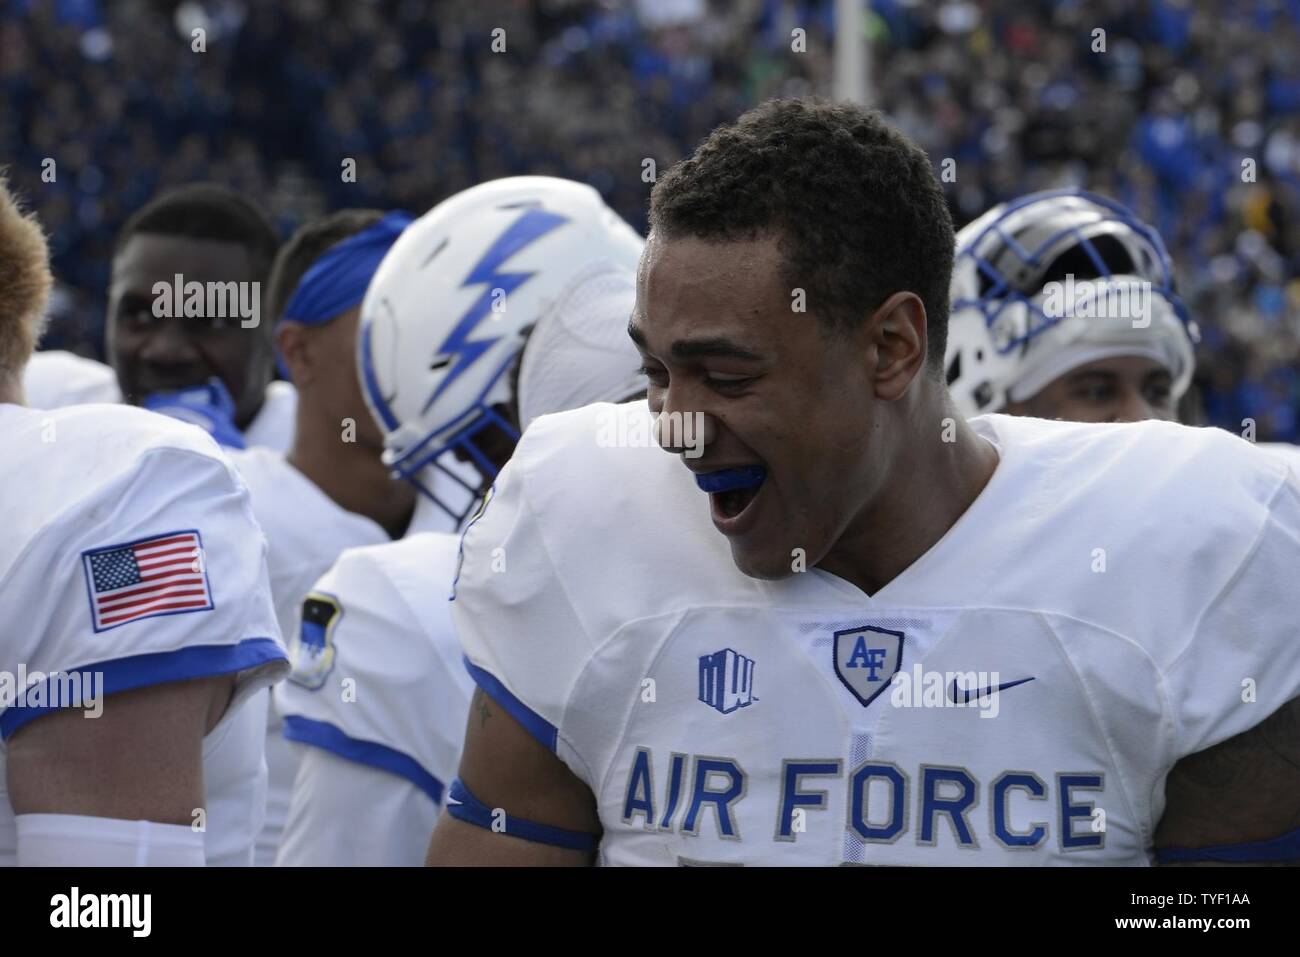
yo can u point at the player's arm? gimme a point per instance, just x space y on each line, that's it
526 789
1241 794
116 778
1233 794
523 794
140 759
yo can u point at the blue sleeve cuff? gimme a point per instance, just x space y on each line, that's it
140 671
464 806
327 737
541 729
1284 848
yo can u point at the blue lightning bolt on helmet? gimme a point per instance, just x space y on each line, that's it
446 316
1054 280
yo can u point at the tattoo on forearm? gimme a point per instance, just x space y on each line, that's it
482 708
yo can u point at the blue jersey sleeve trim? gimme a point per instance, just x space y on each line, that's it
464 806
141 671
327 737
541 729
1284 848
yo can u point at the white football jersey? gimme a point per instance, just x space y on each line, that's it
305 530
131 553
272 427
1286 451
56 379
1116 598
377 702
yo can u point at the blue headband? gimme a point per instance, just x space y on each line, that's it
337 281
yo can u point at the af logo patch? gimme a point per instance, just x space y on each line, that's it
866 659
313 653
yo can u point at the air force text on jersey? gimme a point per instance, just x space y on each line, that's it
885 803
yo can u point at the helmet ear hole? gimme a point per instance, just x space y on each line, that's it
1077 262
979 355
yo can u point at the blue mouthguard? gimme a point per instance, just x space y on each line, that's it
726 480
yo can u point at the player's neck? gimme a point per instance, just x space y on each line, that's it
11 389
244 417
350 473
932 485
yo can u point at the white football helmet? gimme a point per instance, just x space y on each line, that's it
448 311
580 351
1034 291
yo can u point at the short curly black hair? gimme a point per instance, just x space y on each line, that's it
855 205
207 211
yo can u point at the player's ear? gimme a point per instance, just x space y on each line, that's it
897 330
293 342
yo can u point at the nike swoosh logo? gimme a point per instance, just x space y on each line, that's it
982 693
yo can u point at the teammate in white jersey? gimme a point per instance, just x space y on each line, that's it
55 378
379 695
132 561
330 491
906 638
186 331
1063 307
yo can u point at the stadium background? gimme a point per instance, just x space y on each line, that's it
411 90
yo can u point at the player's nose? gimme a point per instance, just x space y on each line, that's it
1133 407
684 433
167 344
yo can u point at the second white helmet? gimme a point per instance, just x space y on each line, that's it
448 311
1019 316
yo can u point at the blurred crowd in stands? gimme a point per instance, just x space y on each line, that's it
1186 110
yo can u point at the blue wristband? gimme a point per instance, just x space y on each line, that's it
464 806
1277 850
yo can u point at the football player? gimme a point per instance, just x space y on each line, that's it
858 628
185 333
139 623
380 693
330 491
1063 307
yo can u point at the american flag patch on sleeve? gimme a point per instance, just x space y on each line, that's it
163 575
